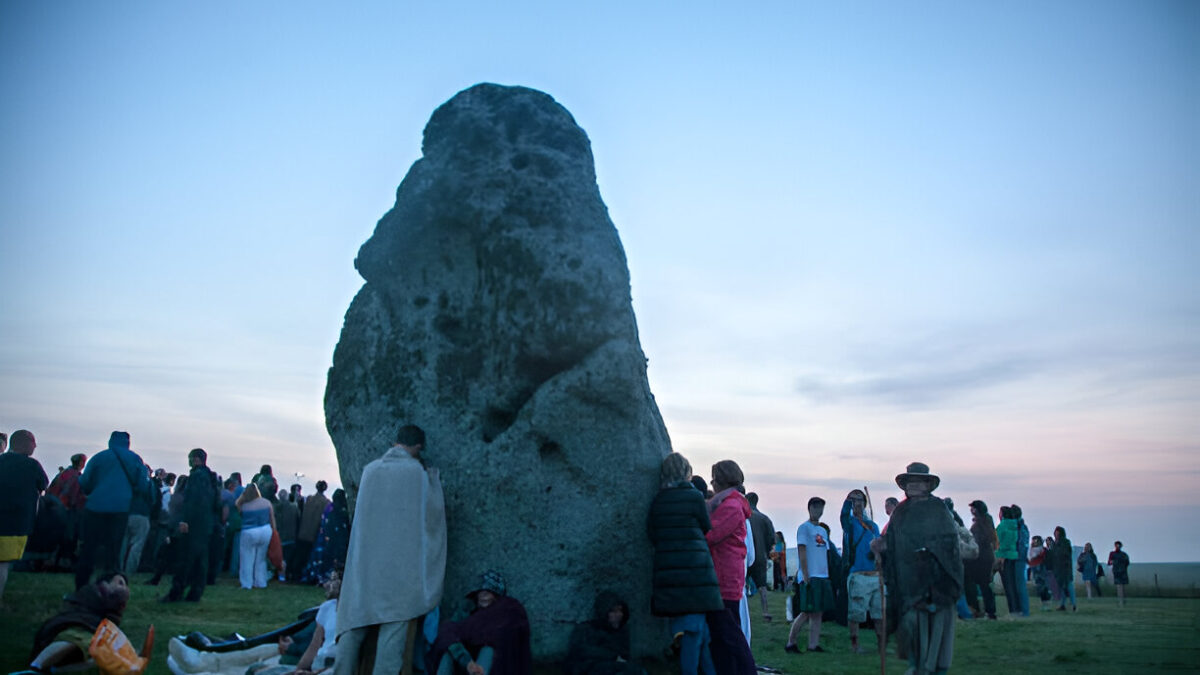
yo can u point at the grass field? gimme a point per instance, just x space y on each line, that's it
1150 635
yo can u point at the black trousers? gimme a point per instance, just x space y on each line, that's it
972 588
191 565
216 549
730 651
101 548
299 560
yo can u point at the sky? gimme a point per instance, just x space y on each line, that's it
959 233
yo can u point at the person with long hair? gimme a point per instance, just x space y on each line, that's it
685 586
333 538
977 573
1087 564
258 521
1037 559
779 563
728 510
1062 565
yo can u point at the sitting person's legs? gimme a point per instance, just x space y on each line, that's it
69 646
459 654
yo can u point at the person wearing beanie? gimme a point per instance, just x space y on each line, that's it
493 639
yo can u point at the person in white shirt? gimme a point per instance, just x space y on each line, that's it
815 591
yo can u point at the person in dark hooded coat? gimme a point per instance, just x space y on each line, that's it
978 572
601 646
922 566
685 582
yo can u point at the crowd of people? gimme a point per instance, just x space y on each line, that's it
113 513
713 551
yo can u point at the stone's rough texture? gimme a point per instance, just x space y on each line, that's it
496 314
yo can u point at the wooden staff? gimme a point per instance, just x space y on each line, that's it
883 622
882 597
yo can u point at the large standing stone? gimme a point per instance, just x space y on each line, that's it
496 314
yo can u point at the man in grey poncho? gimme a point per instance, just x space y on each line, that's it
396 563
923 570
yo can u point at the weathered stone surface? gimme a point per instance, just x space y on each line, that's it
496 314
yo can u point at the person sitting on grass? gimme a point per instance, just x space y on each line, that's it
321 649
64 637
601 646
492 640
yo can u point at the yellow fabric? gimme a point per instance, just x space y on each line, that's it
76 635
12 548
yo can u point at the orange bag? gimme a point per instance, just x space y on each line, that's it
114 654
275 551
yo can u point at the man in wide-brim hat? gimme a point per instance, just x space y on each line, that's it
923 570
918 471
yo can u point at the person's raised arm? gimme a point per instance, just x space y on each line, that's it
310 654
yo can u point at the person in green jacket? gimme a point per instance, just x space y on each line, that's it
1006 552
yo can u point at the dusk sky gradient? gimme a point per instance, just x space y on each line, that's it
961 233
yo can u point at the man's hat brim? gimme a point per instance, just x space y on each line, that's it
905 477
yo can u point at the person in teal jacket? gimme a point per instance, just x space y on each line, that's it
1006 552
110 480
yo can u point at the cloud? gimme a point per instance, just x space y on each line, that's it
927 387
951 367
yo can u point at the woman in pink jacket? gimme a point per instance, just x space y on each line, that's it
728 510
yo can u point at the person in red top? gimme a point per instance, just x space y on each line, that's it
65 487
728 510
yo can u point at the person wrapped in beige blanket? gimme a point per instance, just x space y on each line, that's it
396 563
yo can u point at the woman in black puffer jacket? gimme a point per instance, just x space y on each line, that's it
685 583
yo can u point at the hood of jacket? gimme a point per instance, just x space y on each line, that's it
605 601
